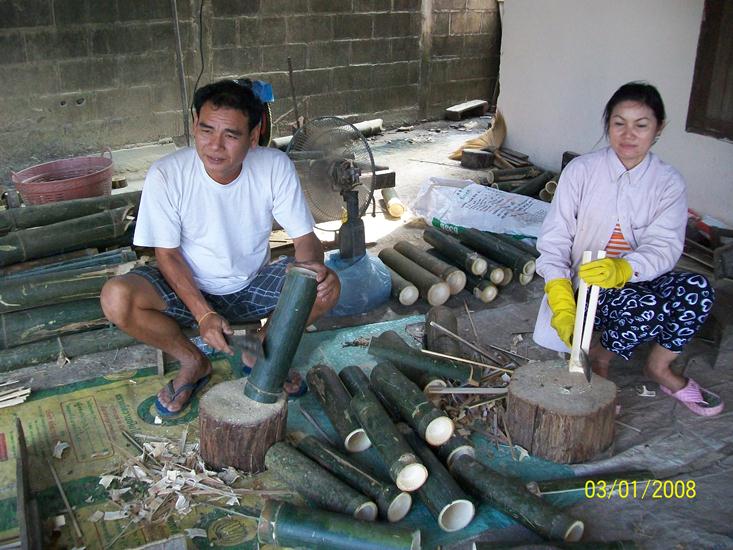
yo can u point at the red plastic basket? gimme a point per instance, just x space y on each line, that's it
62 180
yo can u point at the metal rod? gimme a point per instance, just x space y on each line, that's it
460 359
292 93
69 510
467 391
477 348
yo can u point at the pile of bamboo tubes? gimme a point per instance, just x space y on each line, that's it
54 260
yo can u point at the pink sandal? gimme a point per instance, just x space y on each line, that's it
697 399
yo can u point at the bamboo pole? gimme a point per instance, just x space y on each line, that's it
392 503
440 493
484 290
284 525
493 272
456 446
103 259
31 325
453 250
436 340
433 425
422 378
316 485
357 382
20 268
402 289
29 244
509 174
334 399
403 466
499 250
285 331
516 243
411 361
432 288
531 187
509 496
66 346
392 202
14 219
455 278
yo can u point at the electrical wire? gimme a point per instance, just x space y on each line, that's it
201 53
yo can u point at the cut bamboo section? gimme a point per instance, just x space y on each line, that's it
284 525
392 202
440 493
432 288
99 261
516 243
509 496
493 272
403 290
356 381
392 503
283 336
450 247
14 219
456 446
316 485
29 244
532 187
436 340
509 174
499 250
433 425
524 280
334 399
508 276
455 278
31 265
412 362
421 377
482 289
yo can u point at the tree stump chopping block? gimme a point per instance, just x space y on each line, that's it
238 431
557 415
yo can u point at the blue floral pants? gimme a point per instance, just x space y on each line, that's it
669 310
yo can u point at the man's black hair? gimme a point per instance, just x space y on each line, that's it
233 95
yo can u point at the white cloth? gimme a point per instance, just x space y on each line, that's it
222 230
596 191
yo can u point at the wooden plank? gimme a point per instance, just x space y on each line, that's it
475 107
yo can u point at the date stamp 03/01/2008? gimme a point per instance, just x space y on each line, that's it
646 489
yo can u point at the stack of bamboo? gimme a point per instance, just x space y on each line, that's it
51 275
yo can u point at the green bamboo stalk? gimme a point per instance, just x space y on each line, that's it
433 425
436 340
484 290
325 384
392 503
66 346
440 493
455 278
28 244
14 219
56 288
505 254
358 385
316 485
455 447
21 268
103 259
402 289
410 360
284 525
516 243
531 187
285 331
508 276
509 496
493 271
31 325
421 377
450 247
432 288
508 174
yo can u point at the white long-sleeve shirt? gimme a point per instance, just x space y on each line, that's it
596 191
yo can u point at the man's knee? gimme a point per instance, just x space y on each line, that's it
117 300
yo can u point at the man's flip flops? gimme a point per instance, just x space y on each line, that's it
697 399
173 393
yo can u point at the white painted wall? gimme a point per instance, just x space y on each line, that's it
562 60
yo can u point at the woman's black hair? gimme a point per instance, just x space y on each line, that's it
641 92
233 95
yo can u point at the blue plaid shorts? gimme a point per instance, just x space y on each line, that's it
256 301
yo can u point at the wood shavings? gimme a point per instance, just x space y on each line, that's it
193 533
59 448
106 481
14 396
360 342
229 475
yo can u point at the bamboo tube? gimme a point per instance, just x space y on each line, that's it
403 290
283 336
531 187
316 485
56 288
524 280
392 503
403 466
410 361
516 243
484 290
509 496
436 340
432 288
334 399
508 276
20 268
358 385
455 278
450 247
573 484
29 244
433 425
104 259
392 202
551 186
545 195
493 272
70 345
284 525
510 174
440 493
31 325
425 380
456 446
506 185
499 250
14 219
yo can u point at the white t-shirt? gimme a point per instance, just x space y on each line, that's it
222 230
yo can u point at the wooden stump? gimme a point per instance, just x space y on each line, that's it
238 431
558 415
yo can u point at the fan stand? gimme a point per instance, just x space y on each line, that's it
352 241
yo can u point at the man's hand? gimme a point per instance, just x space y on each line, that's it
561 299
212 328
606 273
327 280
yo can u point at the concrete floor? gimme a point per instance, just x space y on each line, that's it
663 436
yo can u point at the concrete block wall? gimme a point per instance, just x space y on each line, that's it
78 75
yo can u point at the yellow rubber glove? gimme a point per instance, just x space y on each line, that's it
606 273
561 299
